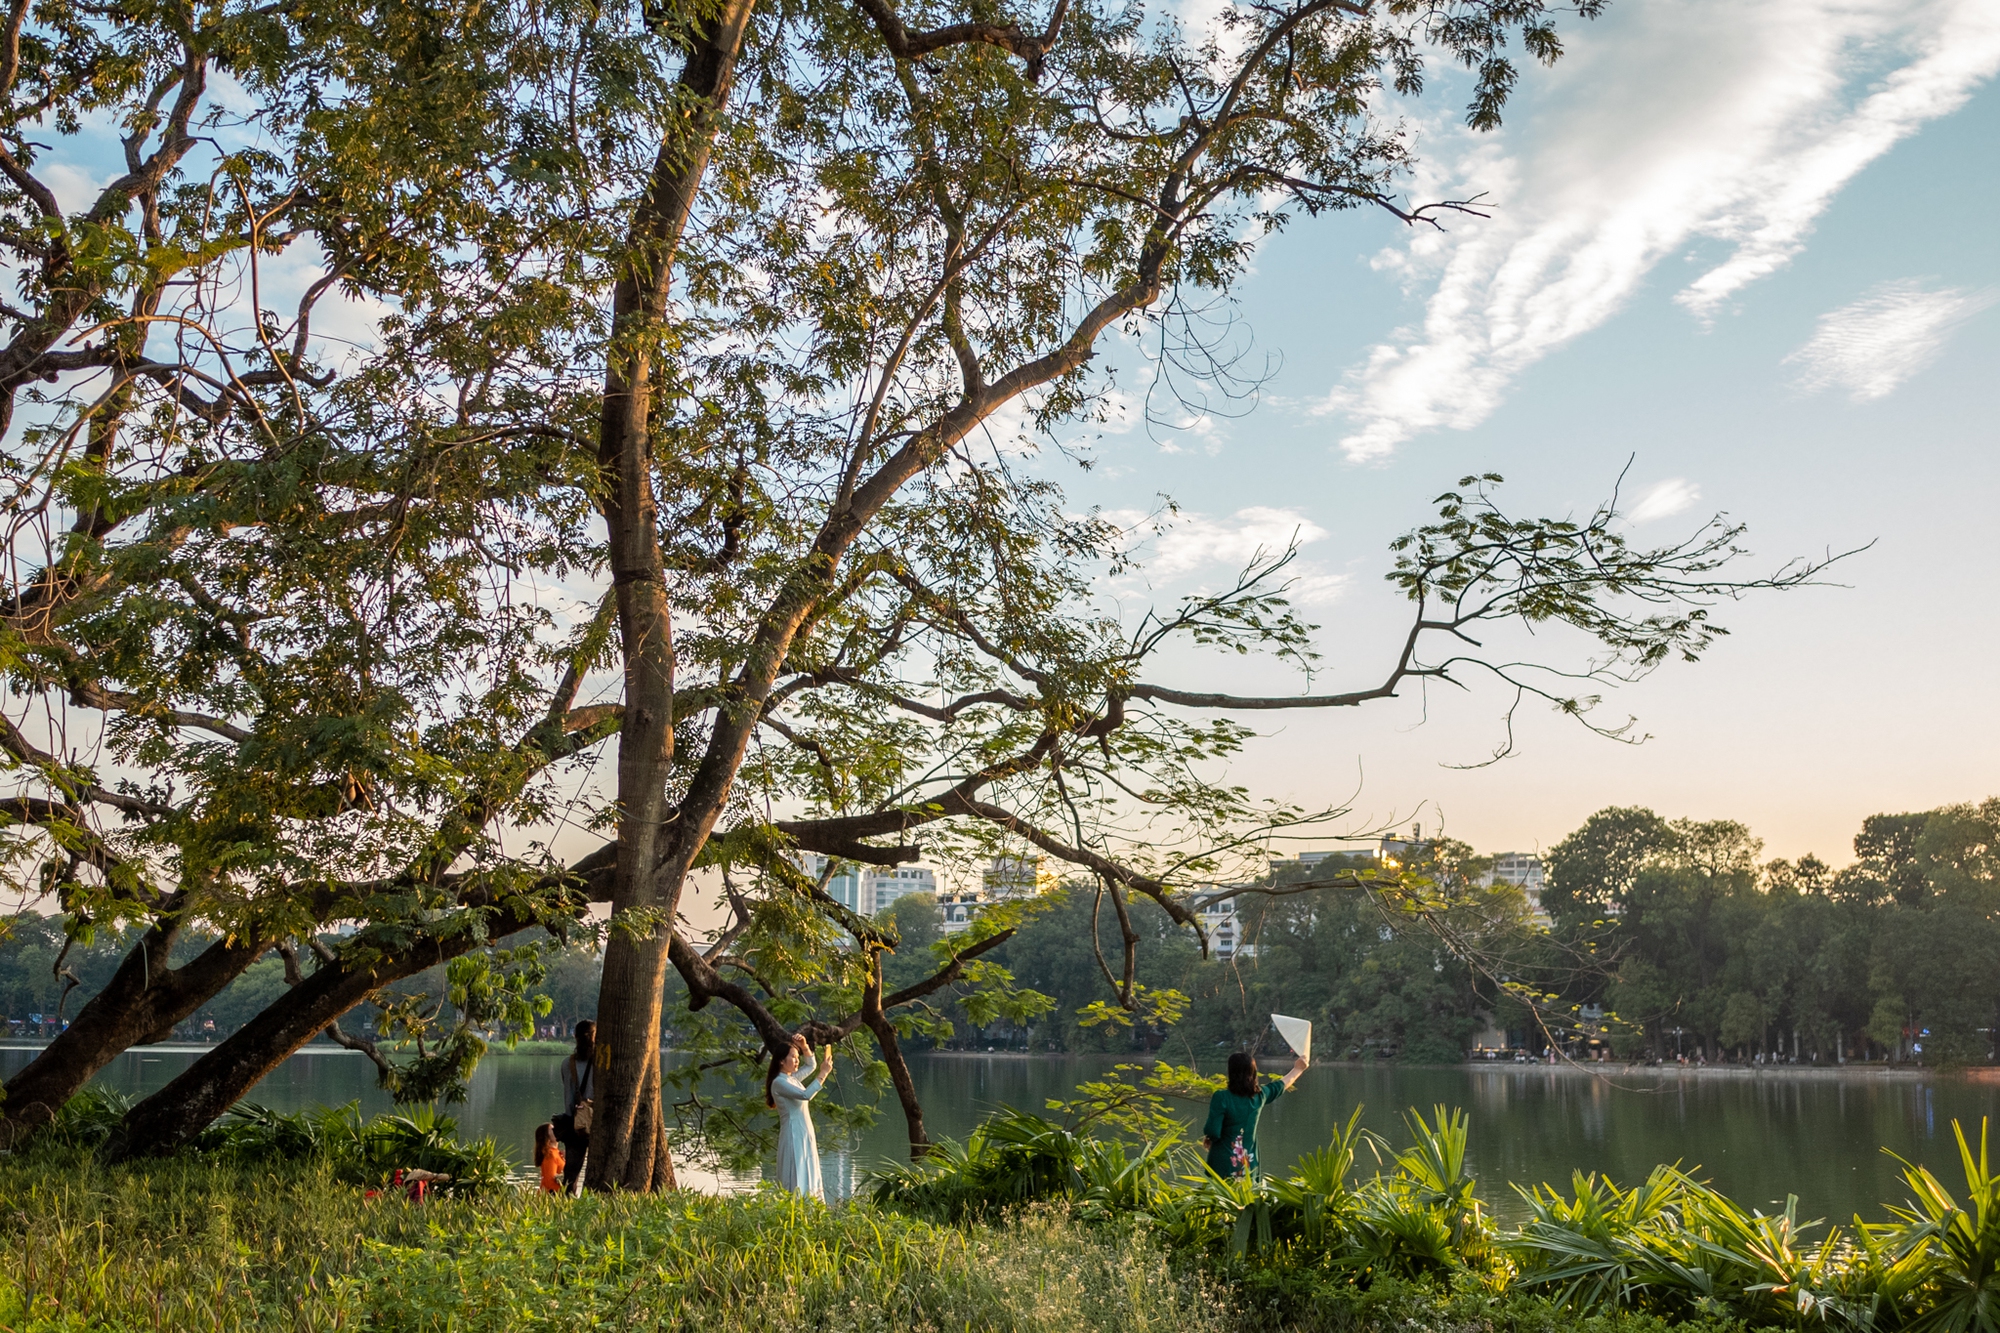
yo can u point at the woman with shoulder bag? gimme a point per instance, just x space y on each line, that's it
579 1085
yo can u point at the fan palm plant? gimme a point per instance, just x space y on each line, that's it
1958 1247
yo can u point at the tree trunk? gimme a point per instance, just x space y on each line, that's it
143 1002
628 1134
170 1119
878 1023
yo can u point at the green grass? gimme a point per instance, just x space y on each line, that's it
1029 1226
209 1243
201 1244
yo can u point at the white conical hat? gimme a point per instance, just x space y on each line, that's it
1297 1032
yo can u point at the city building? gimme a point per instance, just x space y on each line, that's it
1224 926
845 885
1017 877
1005 877
883 887
958 909
869 889
1393 852
1303 862
1524 871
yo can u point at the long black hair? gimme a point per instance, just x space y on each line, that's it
777 1060
1242 1075
586 1040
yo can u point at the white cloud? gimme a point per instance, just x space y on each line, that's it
74 188
1313 587
1199 433
1184 543
1118 411
1189 545
1873 345
1707 120
1663 500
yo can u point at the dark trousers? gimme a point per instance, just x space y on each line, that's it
575 1146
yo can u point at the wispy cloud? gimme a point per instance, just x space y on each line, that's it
1873 345
1183 543
1706 121
75 189
1190 545
1663 499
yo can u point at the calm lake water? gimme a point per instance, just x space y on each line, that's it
1757 1136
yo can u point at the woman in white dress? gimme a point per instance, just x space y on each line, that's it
786 1089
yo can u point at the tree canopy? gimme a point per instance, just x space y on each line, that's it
682 417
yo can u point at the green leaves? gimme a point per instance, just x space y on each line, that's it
487 995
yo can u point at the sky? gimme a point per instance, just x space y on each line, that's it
1747 251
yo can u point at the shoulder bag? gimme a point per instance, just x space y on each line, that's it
586 1083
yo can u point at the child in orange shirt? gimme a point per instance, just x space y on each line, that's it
549 1157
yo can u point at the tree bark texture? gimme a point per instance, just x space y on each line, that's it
143 1002
628 1137
170 1119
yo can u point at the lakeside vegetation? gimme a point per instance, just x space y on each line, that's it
1682 924
1030 1225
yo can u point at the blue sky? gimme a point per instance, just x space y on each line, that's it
1751 248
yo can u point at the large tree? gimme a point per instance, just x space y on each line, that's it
341 605
911 231
266 669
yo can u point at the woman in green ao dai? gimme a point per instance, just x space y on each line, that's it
1230 1136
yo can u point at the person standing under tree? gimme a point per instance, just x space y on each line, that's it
1230 1136
548 1158
579 1085
786 1090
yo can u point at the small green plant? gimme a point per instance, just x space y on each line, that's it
88 1119
357 1151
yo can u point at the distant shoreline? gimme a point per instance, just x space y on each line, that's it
538 1046
1617 1069
1900 1073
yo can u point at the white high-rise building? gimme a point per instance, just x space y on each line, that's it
885 886
1224 928
869 889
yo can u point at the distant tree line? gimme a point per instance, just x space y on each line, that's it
1895 957
1668 938
1672 935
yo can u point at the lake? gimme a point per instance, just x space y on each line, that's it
1818 1134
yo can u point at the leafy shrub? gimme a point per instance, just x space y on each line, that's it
88 1119
1674 1246
253 1133
358 1152
1016 1157
1671 1248
370 1153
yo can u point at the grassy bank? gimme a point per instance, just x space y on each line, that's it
282 1222
205 1245
200 1244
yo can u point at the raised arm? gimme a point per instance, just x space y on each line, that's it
793 1086
825 1068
